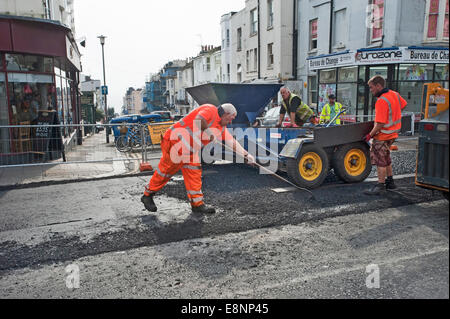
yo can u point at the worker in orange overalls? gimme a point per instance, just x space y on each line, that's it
181 147
388 122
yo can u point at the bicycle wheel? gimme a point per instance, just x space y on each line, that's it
122 144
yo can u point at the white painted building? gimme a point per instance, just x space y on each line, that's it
345 42
207 65
185 79
57 10
226 51
261 40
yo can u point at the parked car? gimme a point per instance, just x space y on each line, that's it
99 127
166 115
270 119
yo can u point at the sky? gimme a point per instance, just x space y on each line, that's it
143 35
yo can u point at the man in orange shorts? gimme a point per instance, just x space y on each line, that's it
388 122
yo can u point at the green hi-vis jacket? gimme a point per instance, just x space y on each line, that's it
325 116
303 111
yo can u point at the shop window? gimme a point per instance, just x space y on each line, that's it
59 99
27 99
1 62
378 70
416 72
412 93
441 73
4 117
347 96
376 20
348 74
328 76
313 34
324 91
29 63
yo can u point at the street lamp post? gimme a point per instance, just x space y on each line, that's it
102 42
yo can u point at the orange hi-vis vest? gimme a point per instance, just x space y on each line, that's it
388 110
188 129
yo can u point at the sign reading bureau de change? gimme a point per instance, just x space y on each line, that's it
156 130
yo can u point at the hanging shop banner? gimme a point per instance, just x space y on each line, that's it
331 61
156 130
420 55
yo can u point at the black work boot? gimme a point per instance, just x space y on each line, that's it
203 209
149 203
390 183
377 189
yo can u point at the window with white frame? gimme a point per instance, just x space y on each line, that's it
436 21
313 34
376 20
239 39
253 22
228 38
269 13
270 59
208 64
255 60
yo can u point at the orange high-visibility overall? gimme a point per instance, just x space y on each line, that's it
181 147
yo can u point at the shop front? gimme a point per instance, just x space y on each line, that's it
405 69
39 76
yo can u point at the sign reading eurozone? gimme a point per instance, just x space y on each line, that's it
156 130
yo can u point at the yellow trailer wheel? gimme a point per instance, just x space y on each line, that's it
351 162
310 169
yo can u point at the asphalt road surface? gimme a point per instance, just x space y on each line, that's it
259 244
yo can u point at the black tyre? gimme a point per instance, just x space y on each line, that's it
445 194
310 169
122 144
352 163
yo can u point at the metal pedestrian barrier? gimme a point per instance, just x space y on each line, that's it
74 150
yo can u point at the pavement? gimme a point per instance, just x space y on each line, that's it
95 159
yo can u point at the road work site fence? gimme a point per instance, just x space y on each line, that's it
32 153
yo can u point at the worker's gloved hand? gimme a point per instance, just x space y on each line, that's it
367 138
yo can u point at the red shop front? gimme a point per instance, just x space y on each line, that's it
39 74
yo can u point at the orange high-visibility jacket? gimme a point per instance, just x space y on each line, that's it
188 129
388 110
